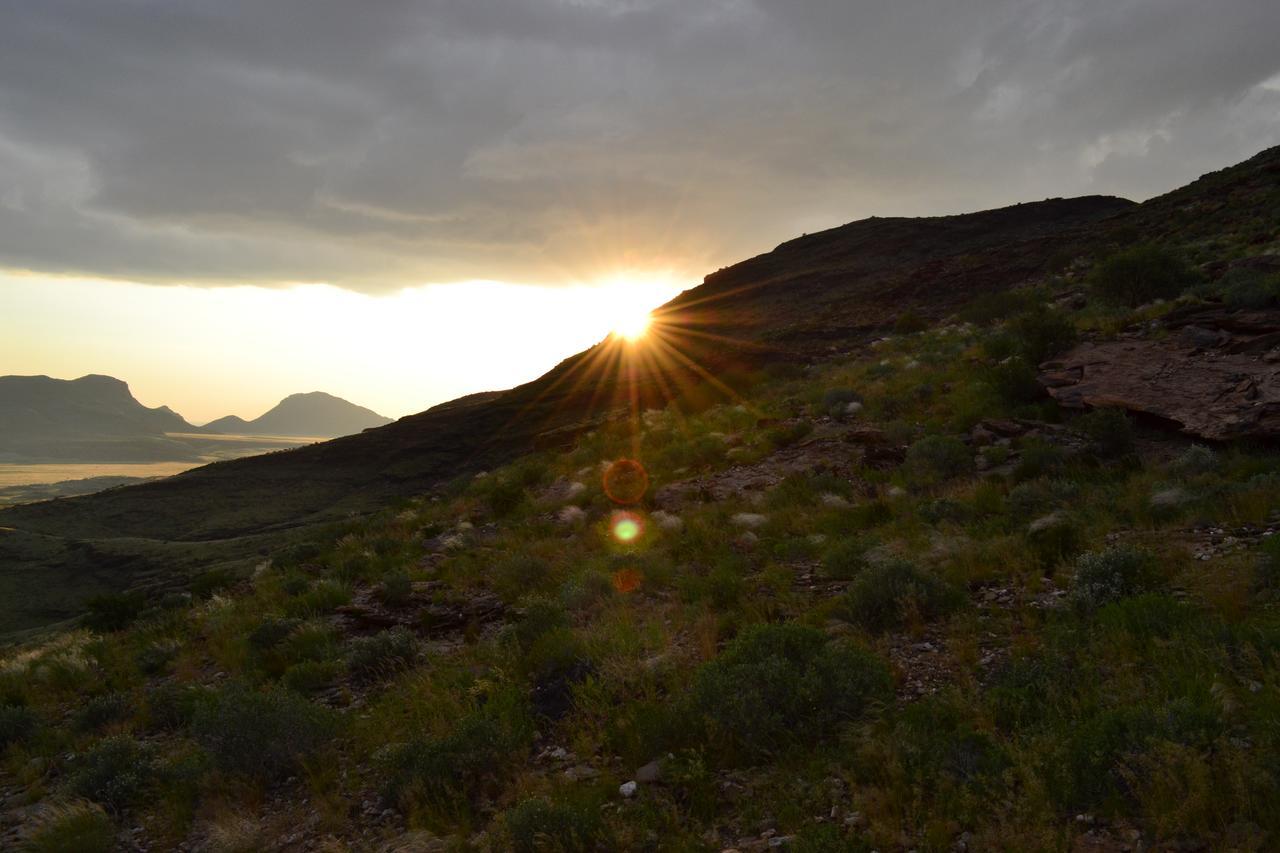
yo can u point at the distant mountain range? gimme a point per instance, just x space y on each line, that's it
316 414
97 419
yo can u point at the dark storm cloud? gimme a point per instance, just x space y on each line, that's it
387 142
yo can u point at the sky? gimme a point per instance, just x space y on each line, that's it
226 201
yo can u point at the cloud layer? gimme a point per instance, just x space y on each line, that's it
388 143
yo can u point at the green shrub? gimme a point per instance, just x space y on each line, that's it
517 576
97 712
76 827
17 723
325 597
540 617
829 838
1041 333
114 772
207 584
845 559
1109 432
887 595
536 825
835 401
1110 575
1267 577
1248 290
1194 461
1053 538
271 633
1037 458
113 611
382 654
938 457
396 589
171 706
310 676
471 759
937 738
262 734
1141 274
154 658
1014 381
993 307
778 684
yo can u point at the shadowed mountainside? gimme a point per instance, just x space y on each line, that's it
90 419
313 414
809 298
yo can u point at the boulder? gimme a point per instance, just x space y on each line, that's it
1217 378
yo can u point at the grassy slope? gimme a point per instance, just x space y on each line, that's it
929 637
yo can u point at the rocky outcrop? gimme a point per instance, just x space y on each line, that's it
1216 374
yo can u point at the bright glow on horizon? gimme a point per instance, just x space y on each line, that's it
632 326
208 352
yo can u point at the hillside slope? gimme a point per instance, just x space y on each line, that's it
809 299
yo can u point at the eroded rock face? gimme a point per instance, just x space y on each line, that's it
1216 374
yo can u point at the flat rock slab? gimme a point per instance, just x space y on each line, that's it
1218 382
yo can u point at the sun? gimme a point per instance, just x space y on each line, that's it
631 324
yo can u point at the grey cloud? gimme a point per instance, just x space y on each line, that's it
387 143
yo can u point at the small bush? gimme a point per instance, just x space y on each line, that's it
1014 381
324 597
936 738
76 827
310 676
207 584
1248 290
470 760
1195 461
539 825
889 595
541 617
271 633
154 658
17 723
993 307
938 457
1267 578
1105 576
101 710
1041 333
383 654
845 559
114 772
172 706
1141 274
262 735
517 576
113 611
835 401
1053 538
776 684
1037 458
396 589
1109 432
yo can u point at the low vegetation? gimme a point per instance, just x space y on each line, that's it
964 619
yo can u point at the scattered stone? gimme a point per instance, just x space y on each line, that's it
627 789
650 773
750 520
667 521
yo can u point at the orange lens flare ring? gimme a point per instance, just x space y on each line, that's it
627 580
626 481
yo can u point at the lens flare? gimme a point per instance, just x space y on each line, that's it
626 481
627 580
626 527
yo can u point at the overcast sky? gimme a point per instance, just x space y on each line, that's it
386 143
383 145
